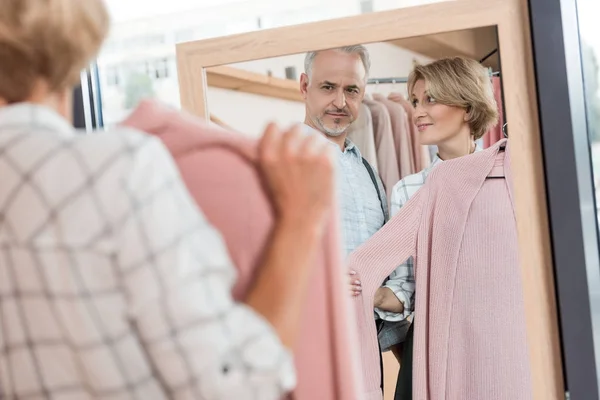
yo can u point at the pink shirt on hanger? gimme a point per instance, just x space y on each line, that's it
387 160
421 152
401 134
470 337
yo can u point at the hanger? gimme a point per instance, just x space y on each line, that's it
505 130
491 53
497 172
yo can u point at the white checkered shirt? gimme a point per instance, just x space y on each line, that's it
402 280
112 283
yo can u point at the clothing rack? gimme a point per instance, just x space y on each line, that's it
491 53
393 80
386 80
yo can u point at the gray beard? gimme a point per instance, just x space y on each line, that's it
333 132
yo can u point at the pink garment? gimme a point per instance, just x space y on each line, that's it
402 135
361 134
219 169
495 134
421 152
470 338
387 161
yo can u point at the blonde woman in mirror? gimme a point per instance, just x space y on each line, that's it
453 106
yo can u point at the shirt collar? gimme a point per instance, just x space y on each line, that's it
349 146
29 115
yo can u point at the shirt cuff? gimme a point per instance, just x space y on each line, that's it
395 317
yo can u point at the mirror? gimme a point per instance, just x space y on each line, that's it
380 119
255 78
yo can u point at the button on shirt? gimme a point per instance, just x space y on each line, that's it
402 280
361 210
113 284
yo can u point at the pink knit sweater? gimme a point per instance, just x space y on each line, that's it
470 338
219 169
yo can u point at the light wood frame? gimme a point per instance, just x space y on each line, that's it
512 21
226 77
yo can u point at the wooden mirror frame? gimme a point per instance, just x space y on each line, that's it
512 22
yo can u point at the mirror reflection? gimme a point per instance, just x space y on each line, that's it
395 112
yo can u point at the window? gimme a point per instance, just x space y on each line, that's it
110 46
366 6
144 41
184 35
161 68
155 68
112 76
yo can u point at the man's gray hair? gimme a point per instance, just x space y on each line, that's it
356 49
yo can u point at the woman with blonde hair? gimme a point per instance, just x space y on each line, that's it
112 282
453 106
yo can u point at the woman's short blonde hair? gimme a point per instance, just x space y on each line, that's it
52 40
460 82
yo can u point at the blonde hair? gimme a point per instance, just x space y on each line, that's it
51 40
460 82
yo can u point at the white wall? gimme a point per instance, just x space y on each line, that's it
388 60
250 113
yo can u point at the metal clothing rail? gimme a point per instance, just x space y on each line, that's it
386 80
491 53
393 80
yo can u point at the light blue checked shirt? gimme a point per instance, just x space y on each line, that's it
361 211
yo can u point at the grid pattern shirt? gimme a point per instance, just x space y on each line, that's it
402 280
112 283
361 211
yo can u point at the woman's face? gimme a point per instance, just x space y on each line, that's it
437 123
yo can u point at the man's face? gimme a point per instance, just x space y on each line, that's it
334 91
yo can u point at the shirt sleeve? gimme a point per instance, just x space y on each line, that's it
375 259
402 283
398 197
402 280
177 277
